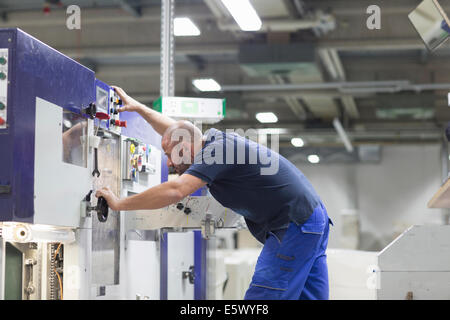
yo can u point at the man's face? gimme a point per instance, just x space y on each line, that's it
179 155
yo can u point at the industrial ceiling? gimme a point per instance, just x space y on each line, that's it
313 61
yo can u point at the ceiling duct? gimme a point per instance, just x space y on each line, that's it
265 60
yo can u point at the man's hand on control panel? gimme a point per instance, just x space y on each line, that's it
128 103
158 121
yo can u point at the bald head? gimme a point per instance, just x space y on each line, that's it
181 141
183 129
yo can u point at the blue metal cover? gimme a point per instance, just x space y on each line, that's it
35 70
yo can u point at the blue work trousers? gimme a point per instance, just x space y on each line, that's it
293 264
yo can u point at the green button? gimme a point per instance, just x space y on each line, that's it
2 60
2 76
2 106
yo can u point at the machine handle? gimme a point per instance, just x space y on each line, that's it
91 110
189 274
102 209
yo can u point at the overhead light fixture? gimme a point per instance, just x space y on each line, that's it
184 27
272 131
244 14
297 142
343 135
313 158
266 117
206 85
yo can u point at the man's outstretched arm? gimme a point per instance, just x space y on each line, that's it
154 198
158 121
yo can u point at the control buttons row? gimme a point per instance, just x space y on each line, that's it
119 123
116 101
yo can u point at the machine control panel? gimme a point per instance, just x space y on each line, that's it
115 124
108 104
3 88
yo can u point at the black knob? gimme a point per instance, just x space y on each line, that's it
180 206
187 210
88 196
90 111
102 209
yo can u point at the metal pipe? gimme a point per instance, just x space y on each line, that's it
275 25
167 80
344 87
316 86
343 135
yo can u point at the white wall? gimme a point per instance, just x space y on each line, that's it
389 196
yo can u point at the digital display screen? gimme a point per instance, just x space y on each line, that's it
189 107
102 100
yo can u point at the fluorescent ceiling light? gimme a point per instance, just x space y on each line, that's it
184 27
297 142
206 85
266 117
244 14
272 131
313 158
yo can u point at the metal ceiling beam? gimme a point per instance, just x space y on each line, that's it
99 15
343 135
373 44
215 48
333 64
374 128
329 135
316 86
342 7
341 88
292 102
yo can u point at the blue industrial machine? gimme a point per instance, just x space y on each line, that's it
39 85
62 138
32 72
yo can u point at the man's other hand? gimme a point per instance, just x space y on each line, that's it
128 103
113 201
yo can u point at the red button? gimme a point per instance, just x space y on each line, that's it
2 121
119 123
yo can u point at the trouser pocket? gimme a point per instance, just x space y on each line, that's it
317 221
266 289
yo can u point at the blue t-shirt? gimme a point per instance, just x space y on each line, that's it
255 182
